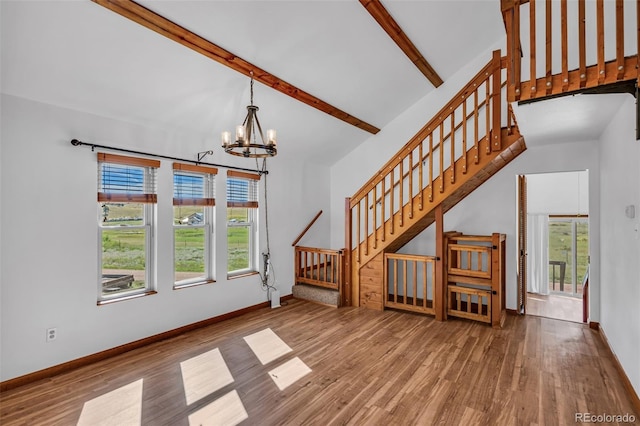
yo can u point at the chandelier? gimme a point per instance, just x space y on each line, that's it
246 142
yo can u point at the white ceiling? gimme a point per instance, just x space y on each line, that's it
576 118
79 55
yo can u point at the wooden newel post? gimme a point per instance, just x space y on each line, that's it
346 296
496 97
498 276
439 287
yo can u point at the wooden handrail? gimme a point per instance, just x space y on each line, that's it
304 231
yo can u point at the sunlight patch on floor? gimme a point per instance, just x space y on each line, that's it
227 410
204 374
267 345
122 406
289 372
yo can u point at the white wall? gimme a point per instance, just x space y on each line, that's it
49 242
558 193
620 246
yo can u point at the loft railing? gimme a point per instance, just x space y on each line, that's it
556 47
430 162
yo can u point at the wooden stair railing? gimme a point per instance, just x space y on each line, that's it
449 157
570 60
319 267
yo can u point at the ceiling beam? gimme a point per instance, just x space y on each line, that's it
175 32
386 21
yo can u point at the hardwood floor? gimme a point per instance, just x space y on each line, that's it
367 368
555 306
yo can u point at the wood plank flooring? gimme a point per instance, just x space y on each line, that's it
368 368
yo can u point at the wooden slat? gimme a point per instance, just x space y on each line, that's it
420 178
441 152
464 136
147 18
415 282
126 160
600 39
358 233
382 207
620 38
440 266
410 172
582 44
532 43
431 167
395 282
476 123
366 225
401 192
565 44
452 163
424 284
548 46
392 200
391 27
375 217
404 279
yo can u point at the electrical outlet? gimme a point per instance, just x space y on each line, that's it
52 334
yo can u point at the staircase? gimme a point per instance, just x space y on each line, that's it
466 143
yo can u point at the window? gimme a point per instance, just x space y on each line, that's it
193 203
126 211
242 213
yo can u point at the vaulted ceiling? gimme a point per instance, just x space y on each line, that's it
83 56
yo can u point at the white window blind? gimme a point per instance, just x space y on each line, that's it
126 179
193 185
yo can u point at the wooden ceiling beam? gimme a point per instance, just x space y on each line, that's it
391 27
179 34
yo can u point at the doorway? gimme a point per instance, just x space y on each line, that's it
554 243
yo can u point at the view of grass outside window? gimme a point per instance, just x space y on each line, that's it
123 233
193 204
568 254
189 243
242 208
126 206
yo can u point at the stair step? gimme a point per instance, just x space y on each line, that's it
315 294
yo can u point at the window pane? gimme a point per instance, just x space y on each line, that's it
238 238
188 215
560 256
122 214
189 253
582 248
237 214
123 260
238 246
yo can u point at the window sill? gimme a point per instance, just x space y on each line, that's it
195 284
242 275
123 298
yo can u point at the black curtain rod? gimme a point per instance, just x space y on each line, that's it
76 142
